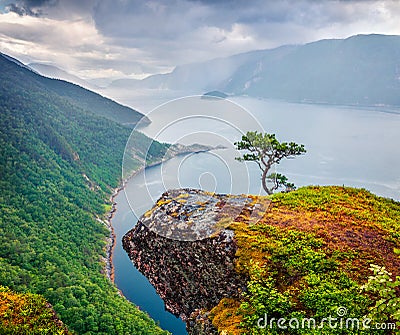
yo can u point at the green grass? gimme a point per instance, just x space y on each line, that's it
308 256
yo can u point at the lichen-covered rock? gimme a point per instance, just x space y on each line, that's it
196 272
189 215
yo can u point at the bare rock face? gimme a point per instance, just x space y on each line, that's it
191 275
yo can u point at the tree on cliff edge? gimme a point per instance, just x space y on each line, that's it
266 150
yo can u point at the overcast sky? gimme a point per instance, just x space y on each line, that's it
118 38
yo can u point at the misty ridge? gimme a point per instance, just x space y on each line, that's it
359 70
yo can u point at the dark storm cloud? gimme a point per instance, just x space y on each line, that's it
172 19
58 9
137 20
20 10
222 27
30 7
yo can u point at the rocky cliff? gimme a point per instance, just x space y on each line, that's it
183 247
223 262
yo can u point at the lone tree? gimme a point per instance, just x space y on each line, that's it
265 150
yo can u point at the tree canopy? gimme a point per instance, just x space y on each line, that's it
266 150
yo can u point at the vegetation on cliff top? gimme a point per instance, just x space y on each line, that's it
309 257
26 314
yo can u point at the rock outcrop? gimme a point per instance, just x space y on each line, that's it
190 215
182 246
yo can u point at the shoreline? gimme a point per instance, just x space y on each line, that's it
111 239
109 267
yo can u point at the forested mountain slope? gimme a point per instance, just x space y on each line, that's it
58 163
75 94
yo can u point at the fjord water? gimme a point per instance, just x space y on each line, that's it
345 146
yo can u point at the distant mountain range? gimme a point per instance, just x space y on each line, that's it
205 76
54 72
359 70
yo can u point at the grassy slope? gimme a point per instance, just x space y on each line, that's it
309 255
50 241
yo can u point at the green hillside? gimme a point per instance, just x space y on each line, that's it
76 95
58 163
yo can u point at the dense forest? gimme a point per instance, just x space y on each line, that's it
58 164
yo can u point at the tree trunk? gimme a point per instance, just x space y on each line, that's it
264 181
